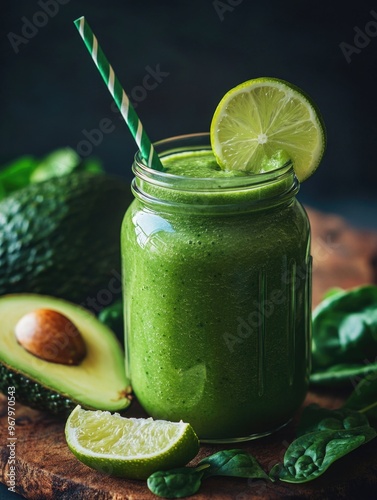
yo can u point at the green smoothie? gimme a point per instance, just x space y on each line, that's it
201 164
217 292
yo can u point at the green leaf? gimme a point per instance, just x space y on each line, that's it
364 397
342 374
63 162
310 455
16 175
324 436
112 316
91 164
27 169
314 418
235 463
344 333
2 191
331 292
176 483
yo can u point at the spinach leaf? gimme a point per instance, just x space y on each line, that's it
364 397
62 162
236 463
112 316
27 170
314 418
175 483
342 374
331 292
16 174
344 332
185 481
310 455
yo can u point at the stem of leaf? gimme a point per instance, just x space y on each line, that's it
367 408
202 467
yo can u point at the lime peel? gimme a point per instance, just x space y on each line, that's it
129 447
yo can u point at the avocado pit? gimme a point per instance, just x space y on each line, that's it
51 336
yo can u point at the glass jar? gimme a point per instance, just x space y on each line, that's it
217 284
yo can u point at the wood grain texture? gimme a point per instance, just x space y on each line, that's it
342 255
46 469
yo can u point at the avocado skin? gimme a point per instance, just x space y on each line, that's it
31 393
61 237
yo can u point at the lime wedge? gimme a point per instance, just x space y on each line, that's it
129 447
261 117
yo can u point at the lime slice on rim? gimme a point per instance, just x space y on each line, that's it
262 117
129 447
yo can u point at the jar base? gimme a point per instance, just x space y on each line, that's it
250 437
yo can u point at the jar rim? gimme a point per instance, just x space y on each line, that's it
200 142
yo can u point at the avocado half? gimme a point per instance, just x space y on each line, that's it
98 382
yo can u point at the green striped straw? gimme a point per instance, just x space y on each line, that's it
125 106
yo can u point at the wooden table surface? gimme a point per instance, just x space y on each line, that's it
46 469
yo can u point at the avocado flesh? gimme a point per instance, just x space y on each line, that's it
98 382
61 237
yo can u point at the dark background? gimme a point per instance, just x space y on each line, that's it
50 90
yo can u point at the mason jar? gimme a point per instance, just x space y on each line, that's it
217 286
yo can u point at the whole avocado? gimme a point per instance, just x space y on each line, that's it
61 237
